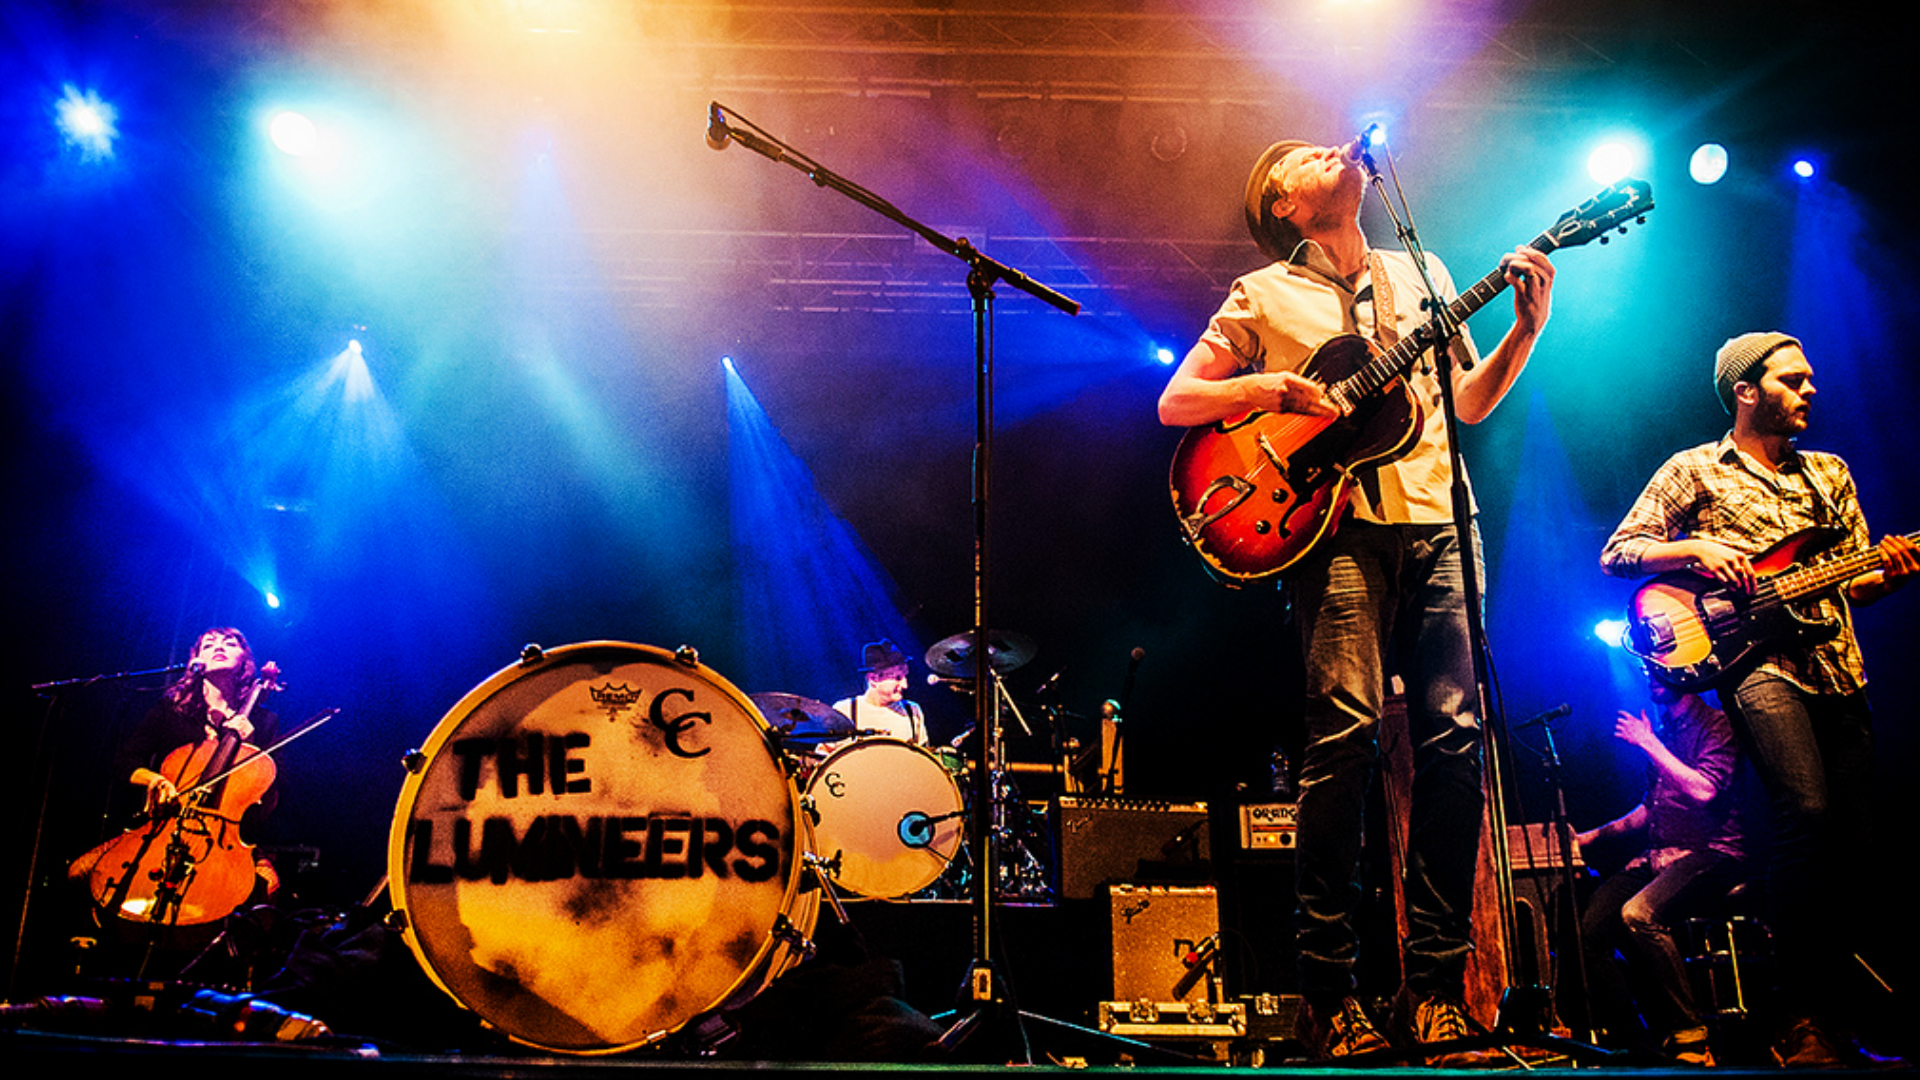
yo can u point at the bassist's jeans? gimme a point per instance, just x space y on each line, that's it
1374 599
1814 753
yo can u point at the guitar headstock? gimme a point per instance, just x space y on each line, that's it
1622 203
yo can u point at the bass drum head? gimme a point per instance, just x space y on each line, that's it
598 848
889 813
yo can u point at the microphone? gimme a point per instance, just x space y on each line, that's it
718 133
1555 713
1354 152
1133 665
916 829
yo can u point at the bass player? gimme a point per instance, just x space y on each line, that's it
1384 591
1801 709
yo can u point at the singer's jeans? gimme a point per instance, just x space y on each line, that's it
1369 600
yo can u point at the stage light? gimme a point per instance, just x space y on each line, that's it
1612 631
1708 164
727 362
1611 161
1804 168
86 122
1165 356
293 133
273 599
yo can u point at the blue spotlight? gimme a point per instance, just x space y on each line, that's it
1612 631
1164 355
273 599
1804 168
1708 164
350 367
1611 161
293 134
86 122
727 362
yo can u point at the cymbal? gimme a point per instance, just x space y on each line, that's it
800 719
953 657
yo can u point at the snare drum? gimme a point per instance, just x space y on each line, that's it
889 813
597 846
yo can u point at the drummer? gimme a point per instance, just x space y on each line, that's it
883 710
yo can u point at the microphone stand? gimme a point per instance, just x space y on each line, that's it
43 780
983 995
1549 756
1439 334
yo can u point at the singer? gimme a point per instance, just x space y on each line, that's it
196 707
1384 592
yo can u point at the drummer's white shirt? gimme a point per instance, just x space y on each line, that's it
902 720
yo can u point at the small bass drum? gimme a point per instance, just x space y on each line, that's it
886 813
597 846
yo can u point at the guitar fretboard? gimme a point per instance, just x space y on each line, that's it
1817 577
1400 359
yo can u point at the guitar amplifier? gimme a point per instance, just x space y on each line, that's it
1269 827
1107 840
1162 935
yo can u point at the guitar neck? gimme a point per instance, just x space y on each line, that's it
1821 576
1400 359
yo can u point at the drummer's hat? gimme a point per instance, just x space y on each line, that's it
881 655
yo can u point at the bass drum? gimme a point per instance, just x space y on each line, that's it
597 846
888 814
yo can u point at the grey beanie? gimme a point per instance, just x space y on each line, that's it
1738 356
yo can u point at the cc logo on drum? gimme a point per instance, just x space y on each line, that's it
835 786
672 730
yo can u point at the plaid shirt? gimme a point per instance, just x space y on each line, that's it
1716 492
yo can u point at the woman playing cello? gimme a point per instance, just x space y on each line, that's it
216 697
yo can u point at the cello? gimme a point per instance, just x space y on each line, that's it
187 864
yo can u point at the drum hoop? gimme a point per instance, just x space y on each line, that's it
877 740
443 732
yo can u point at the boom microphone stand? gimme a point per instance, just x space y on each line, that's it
984 996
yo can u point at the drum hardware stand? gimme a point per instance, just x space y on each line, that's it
982 997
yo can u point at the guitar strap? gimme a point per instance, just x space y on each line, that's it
1386 334
1386 328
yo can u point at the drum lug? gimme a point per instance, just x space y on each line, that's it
687 656
413 761
786 933
531 654
812 811
396 921
827 868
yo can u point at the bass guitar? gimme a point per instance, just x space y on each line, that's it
1691 629
1255 493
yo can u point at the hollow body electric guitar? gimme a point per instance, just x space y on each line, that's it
1255 493
1692 630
